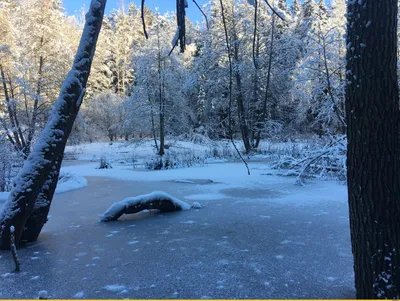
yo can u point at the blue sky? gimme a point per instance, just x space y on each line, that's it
74 6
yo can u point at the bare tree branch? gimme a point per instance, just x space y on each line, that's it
274 11
143 21
205 16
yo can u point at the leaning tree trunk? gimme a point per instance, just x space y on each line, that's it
47 153
373 159
38 218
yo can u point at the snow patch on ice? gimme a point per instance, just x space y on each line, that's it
184 181
115 288
196 205
43 295
223 262
79 295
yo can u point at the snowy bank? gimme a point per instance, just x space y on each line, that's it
68 181
225 177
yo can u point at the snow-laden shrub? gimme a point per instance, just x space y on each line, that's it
222 150
282 149
200 139
319 161
104 163
173 159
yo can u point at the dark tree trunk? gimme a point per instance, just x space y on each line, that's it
261 123
161 151
373 158
153 127
162 129
38 218
243 122
44 159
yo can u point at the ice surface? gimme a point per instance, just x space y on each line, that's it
235 239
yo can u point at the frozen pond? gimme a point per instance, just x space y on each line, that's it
256 237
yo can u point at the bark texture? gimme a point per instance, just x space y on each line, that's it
44 158
38 218
373 159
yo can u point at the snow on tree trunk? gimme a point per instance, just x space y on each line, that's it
47 154
38 218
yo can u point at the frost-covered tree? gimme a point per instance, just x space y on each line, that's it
29 202
158 93
104 113
40 43
320 82
295 8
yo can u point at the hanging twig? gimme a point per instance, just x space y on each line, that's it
14 250
274 11
230 86
173 47
143 21
180 19
205 16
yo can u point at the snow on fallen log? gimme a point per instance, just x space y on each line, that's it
156 200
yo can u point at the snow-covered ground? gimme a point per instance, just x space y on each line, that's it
69 182
257 236
225 176
143 149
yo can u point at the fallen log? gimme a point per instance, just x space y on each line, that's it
156 200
